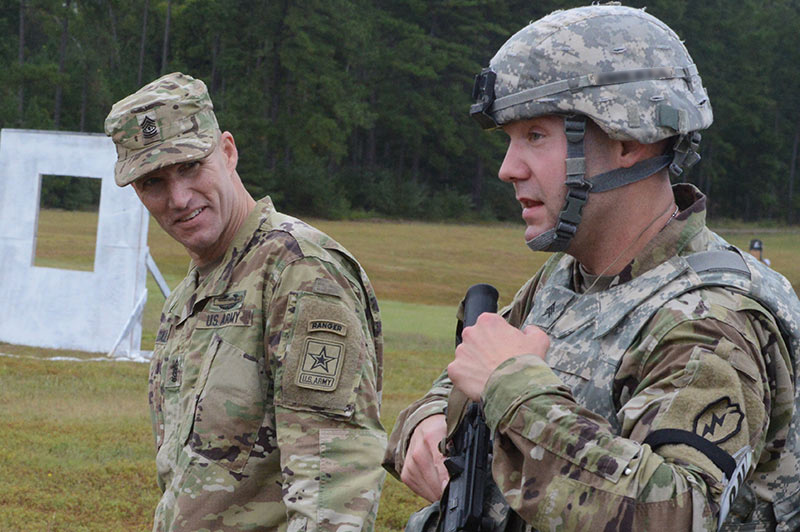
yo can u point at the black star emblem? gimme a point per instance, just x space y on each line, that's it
321 360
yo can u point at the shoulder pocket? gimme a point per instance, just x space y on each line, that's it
229 405
321 364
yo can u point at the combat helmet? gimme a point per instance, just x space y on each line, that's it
619 66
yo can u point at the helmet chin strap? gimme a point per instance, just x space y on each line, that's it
559 237
578 188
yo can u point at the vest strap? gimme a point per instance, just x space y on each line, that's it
719 261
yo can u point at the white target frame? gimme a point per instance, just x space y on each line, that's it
95 311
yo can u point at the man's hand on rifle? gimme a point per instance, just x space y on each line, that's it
423 468
486 345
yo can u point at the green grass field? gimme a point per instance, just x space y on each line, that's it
76 451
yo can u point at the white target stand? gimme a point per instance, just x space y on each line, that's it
95 311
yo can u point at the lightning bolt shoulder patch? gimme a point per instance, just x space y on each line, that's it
719 421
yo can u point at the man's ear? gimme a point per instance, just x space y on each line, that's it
632 151
230 153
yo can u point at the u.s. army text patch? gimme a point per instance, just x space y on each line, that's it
237 318
321 365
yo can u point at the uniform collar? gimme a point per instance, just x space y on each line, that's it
679 236
218 279
684 234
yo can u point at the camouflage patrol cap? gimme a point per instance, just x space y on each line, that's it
170 120
620 66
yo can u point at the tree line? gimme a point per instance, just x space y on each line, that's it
346 108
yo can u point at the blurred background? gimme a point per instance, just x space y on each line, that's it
357 108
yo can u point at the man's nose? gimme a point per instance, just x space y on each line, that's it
513 167
179 193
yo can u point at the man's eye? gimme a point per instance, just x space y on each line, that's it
534 136
150 182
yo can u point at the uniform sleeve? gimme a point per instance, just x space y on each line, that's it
322 355
435 400
563 468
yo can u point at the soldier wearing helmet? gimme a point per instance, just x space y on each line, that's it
644 378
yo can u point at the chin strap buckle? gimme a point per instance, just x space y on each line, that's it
577 187
685 153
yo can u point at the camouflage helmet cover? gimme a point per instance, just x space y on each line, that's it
168 121
621 67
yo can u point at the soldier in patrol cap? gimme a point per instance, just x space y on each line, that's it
265 381
644 378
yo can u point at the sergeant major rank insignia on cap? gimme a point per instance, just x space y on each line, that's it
150 130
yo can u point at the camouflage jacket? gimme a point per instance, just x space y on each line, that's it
568 432
265 387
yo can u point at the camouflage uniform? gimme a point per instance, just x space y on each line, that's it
662 378
265 383
568 432
265 387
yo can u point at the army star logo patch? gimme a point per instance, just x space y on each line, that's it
321 365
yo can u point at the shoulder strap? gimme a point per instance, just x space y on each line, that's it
718 260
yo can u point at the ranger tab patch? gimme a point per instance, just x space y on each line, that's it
321 365
334 327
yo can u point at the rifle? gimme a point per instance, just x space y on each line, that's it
469 461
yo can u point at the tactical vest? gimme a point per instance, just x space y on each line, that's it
606 323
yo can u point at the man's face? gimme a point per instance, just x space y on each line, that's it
535 165
193 202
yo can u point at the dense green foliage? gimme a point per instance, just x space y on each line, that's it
70 193
345 106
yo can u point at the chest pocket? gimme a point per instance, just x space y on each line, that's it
229 405
588 374
581 360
